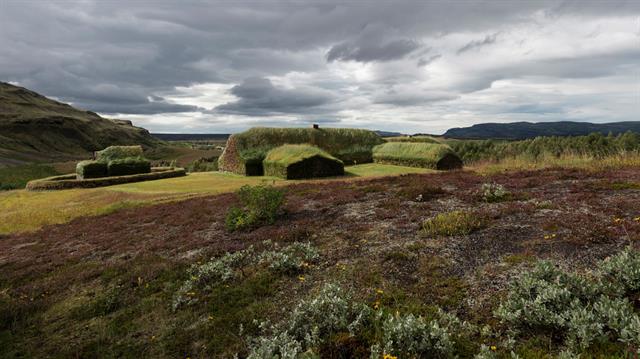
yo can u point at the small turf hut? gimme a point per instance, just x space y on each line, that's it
245 151
301 161
417 154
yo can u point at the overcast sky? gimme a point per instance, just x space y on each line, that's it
419 66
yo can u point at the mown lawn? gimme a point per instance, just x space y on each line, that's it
27 211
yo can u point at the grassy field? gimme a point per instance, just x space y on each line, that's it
27 211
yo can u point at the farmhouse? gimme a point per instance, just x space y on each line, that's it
301 161
417 154
246 151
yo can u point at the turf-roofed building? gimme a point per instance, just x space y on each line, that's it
417 154
301 161
246 151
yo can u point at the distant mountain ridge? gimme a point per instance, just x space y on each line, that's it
34 128
524 130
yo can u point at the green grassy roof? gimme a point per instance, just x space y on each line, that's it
412 150
256 142
288 154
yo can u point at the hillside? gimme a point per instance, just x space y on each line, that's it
34 128
524 130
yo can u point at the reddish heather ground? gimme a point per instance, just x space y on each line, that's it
574 217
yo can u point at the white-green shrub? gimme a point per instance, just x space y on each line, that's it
494 192
581 309
290 259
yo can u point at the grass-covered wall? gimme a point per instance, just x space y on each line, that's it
245 151
417 154
301 161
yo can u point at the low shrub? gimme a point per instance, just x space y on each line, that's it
128 166
408 336
453 224
332 315
288 260
118 152
494 192
580 310
311 323
260 205
91 169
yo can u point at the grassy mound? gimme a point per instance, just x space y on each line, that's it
301 161
118 152
71 181
417 154
245 151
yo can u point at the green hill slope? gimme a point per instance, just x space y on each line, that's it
34 128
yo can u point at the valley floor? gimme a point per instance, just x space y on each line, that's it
103 286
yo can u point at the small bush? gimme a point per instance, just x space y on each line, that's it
580 310
494 192
260 205
91 169
128 166
292 259
408 336
453 224
311 323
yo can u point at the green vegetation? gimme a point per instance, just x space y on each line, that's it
422 139
260 205
71 181
119 152
91 169
204 164
417 154
301 161
34 128
128 166
454 223
594 145
16 177
582 311
494 192
288 260
245 151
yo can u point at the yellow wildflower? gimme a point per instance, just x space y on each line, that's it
617 220
637 219
376 305
379 291
389 356
494 348
301 278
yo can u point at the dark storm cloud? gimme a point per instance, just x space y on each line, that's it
258 96
488 40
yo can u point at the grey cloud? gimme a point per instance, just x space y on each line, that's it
488 40
422 62
392 50
258 96
113 56
393 97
